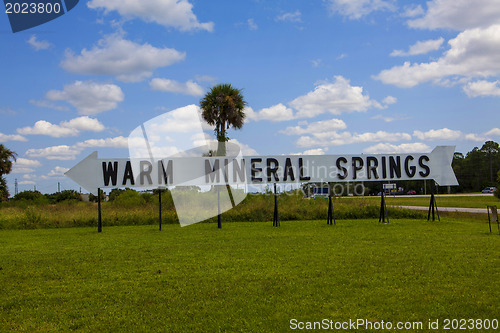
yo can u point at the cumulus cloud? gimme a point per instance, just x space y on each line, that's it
356 9
440 134
62 152
65 152
116 142
166 85
57 172
317 151
64 129
12 137
251 24
316 127
473 53
493 132
290 17
333 138
24 165
168 13
277 112
388 148
457 14
482 88
89 98
421 47
38 44
334 97
127 60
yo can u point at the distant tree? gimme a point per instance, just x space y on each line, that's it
491 149
7 156
223 107
68 195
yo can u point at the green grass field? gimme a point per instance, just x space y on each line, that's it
247 277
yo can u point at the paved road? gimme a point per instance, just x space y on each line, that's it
449 209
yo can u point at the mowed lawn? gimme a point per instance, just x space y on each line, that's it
249 277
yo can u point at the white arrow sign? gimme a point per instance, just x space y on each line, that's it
92 172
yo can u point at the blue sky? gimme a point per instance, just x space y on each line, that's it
320 77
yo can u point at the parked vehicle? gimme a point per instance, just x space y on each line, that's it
412 192
489 190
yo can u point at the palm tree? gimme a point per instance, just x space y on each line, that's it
223 107
6 158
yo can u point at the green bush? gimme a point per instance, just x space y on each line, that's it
31 197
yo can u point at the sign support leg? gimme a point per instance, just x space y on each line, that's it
276 218
159 208
383 209
219 220
433 206
99 218
331 213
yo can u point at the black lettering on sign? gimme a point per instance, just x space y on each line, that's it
384 168
145 172
372 165
357 164
254 169
111 171
410 169
340 167
301 171
128 174
239 170
288 170
212 174
395 166
424 166
165 176
272 170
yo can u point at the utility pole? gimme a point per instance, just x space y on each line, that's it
15 186
58 187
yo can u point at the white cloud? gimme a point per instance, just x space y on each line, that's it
317 151
12 137
166 85
168 13
473 53
493 132
24 165
413 11
38 44
440 134
336 98
116 142
475 137
89 98
252 25
482 88
277 112
27 182
64 129
290 17
316 127
62 152
421 47
387 148
356 9
25 162
334 138
57 172
390 100
458 14
128 61
65 152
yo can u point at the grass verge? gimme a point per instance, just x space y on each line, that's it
247 276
